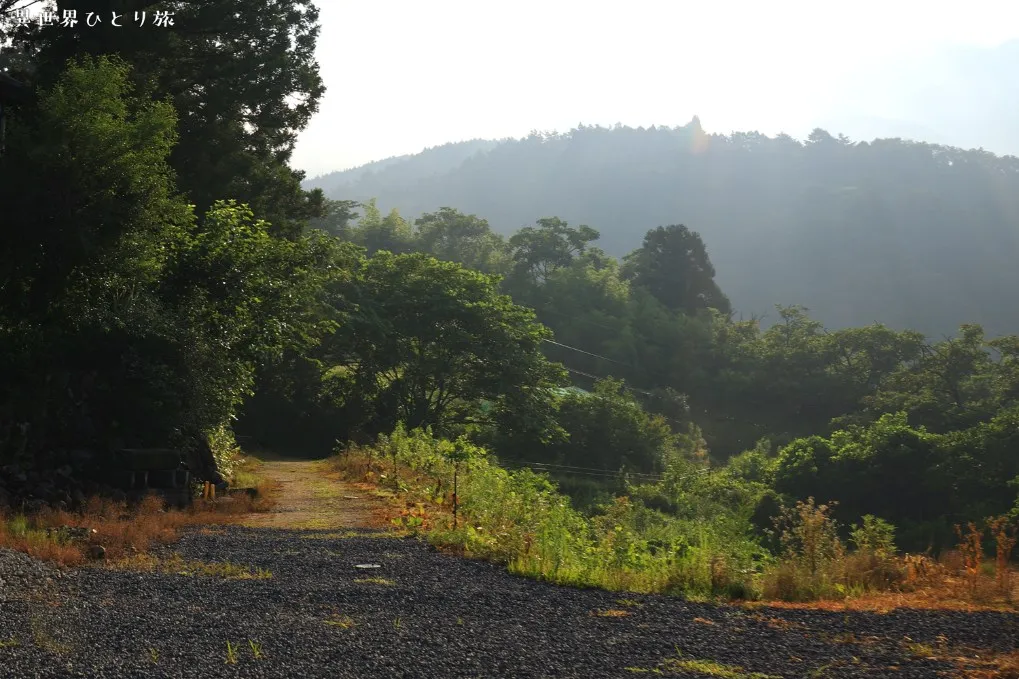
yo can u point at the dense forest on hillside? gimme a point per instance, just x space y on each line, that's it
913 235
166 280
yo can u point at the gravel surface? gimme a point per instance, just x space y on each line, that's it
432 615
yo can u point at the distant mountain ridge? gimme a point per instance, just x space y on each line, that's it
909 234
431 161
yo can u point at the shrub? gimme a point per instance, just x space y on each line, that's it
520 519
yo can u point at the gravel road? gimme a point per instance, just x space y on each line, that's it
426 614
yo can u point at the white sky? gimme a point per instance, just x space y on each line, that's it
403 75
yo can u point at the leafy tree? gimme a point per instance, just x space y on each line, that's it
139 326
91 220
673 265
337 218
374 232
246 296
609 430
539 251
242 77
428 339
452 236
106 149
949 386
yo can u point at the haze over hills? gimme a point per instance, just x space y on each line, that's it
908 234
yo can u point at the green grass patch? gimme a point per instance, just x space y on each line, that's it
711 668
374 581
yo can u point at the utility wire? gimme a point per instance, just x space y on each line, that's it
596 474
577 318
596 377
604 358
586 469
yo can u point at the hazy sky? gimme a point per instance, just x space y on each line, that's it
403 75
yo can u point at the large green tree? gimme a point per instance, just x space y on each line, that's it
123 320
452 236
427 340
241 75
673 265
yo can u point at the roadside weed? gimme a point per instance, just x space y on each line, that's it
341 621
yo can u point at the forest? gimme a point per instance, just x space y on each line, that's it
910 234
164 272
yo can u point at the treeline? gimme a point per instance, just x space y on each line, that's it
909 234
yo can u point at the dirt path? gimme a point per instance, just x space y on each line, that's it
310 496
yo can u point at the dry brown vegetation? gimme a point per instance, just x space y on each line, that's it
969 663
121 530
817 571
954 581
410 505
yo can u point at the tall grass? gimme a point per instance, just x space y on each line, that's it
519 518
121 530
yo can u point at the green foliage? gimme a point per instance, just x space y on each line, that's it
145 322
673 265
857 232
907 475
243 79
451 236
106 148
375 233
519 519
540 251
874 535
609 430
814 563
245 295
429 339
337 218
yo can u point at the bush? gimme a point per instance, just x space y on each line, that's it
520 519
815 564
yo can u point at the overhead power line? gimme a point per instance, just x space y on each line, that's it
604 358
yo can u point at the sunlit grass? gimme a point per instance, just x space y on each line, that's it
177 565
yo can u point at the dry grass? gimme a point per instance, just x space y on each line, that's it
413 506
777 623
991 666
341 621
121 530
957 581
970 663
610 613
375 581
176 565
